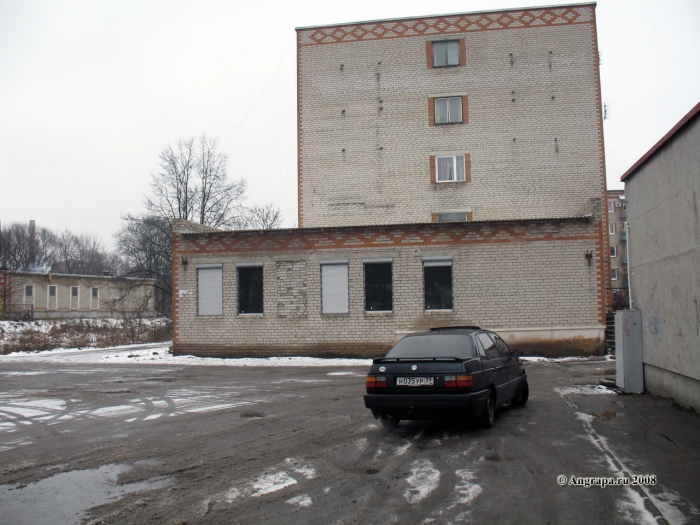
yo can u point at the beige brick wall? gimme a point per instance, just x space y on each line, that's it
533 132
503 274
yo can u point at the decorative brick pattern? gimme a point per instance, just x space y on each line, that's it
447 25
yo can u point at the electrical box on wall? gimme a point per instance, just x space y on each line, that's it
628 351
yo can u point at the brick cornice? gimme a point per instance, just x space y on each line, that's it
447 25
392 236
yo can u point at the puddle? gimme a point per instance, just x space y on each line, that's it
63 499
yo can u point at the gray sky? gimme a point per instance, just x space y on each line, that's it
91 91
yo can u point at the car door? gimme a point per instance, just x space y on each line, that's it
495 365
510 362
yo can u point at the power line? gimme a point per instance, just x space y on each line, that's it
259 96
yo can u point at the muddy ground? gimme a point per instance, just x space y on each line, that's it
172 444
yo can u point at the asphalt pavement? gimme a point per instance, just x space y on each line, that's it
115 443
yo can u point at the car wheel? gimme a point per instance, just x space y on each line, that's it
389 422
489 415
523 393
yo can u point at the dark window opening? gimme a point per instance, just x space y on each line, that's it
452 217
438 287
52 291
250 290
29 291
379 288
74 291
94 293
446 53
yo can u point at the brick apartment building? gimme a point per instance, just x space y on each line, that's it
617 217
451 172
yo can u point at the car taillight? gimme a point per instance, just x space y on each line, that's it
458 381
376 382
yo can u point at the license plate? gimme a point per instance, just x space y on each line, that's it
415 381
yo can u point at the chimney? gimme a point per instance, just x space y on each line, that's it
32 245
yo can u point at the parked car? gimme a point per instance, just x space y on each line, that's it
455 372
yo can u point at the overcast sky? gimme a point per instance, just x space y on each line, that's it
91 91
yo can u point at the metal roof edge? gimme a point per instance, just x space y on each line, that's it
681 123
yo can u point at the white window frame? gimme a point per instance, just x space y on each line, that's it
457 176
613 274
612 228
48 297
335 294
451 119
25 296
611 206
96 298
613 251
70 297
211 310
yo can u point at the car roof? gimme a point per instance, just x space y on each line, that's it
449 330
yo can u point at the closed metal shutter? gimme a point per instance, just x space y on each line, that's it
334 288
210 291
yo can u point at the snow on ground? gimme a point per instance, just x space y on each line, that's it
160 353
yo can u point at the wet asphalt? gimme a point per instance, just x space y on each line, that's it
172 444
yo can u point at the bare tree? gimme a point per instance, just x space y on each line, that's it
264 217
18 247
193 185
218 199
146 242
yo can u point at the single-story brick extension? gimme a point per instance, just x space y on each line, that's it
354 291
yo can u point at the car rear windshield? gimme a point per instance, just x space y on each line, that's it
433 345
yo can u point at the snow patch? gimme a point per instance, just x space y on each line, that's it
301 467
423 480
400 451
584 390
302 500
269 483
466 491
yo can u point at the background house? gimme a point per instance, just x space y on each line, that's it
487 123
663 192
46 295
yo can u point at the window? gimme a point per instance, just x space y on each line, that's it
612 228
437 282
379 286
448 110
210 284
74 291
490 348
613 275
451 216
446 53
334 287
94 298
29 291
611 206
450 169
250 288
51 300
502 346
95 292
613 251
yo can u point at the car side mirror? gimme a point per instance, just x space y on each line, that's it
518 353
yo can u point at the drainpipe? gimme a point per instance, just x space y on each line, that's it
629 274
